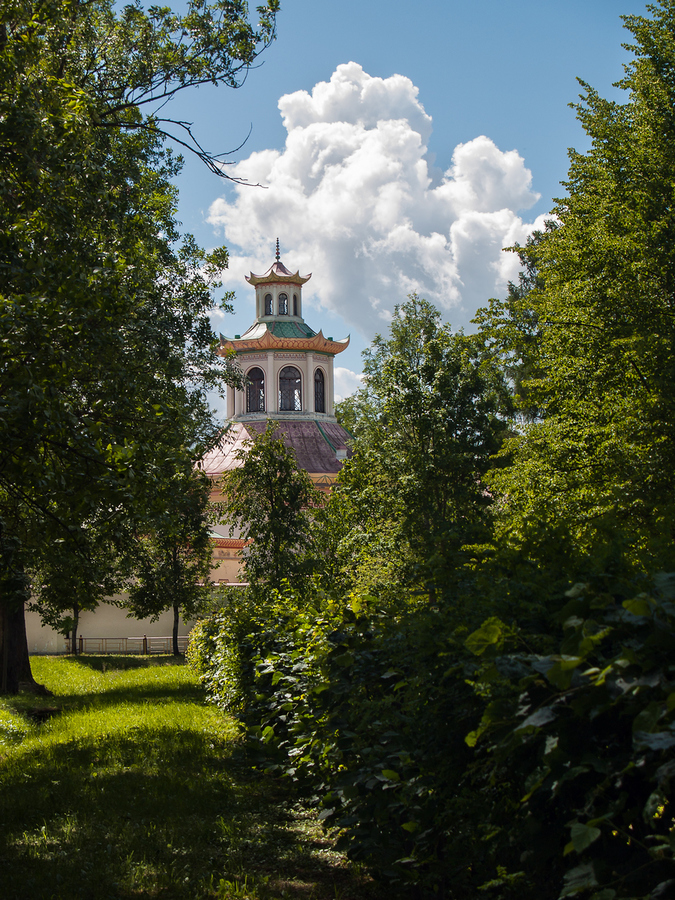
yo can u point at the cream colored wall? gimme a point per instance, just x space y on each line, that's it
227 568
107 621
271 363
275 289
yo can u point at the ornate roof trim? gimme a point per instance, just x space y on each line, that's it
222 543
278 273
269 341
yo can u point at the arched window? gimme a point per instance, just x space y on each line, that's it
255 390
295 304
268 304
290 397
319 392
283 304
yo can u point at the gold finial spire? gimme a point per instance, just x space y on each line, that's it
278 256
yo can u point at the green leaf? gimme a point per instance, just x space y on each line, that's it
582 837
578 879
538 718
641 605
344 659
490 633
659 740
560 673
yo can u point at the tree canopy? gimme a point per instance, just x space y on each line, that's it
106 351
173 561
600 372
268 501
427 423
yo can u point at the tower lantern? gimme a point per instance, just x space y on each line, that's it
288 365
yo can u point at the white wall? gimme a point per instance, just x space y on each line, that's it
105 622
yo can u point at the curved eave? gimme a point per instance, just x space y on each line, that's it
277 278
268 341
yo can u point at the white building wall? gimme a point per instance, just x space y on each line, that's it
106 621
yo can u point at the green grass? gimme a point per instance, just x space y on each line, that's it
129 789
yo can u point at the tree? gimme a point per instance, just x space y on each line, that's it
427 423
510 330
269 501
106 351
67 578
600 461
174 562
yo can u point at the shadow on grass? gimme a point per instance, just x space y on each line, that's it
154 812
106 662
108 693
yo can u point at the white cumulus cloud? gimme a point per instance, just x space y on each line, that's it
346 382
353 201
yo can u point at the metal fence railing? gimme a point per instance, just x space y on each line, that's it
143 645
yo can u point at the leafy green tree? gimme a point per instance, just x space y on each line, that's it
268 501
69 577
106 350
174 561
427 423
600 461
510 330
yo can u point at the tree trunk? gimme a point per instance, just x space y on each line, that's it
15 672
176 651
76 619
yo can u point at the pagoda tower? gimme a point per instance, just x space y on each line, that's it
289 379
289 367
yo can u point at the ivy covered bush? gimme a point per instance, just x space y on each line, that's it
574 752
463 765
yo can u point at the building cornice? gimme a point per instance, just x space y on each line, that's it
268 341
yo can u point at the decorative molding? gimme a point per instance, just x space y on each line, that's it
268 341
322 478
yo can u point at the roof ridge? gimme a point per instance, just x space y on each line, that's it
325 437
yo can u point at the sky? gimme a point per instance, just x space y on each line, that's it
397 147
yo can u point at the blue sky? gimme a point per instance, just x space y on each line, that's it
378 185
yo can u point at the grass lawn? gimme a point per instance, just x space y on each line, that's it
123 785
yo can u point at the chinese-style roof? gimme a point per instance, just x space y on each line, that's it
223 456
291 328
276 335
316 445
276 273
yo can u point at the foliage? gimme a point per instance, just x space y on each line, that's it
574 746
510 330
106 350
498 761
427 424
174 561
267 500
601 366
330 697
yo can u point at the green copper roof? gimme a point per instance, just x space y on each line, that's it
290 329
